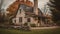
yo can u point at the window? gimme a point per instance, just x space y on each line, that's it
28 19
20 19
20 10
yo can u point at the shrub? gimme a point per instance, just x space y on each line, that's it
33 25
25 24
26 27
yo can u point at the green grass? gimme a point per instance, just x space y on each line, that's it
44 31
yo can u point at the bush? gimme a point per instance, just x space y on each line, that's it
25 24
33 25
26 27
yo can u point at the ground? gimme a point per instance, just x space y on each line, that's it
39 31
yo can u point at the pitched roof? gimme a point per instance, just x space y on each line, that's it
29 10
14 6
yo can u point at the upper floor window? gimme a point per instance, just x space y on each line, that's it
20 19
20 10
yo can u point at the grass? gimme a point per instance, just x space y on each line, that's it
43 31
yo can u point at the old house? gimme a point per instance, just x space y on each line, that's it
27 14
24 11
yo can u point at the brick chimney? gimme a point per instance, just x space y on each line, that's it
36 7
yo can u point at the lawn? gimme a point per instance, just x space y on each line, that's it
43 31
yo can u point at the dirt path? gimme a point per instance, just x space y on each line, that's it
45 27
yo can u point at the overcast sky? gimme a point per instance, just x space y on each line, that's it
41 3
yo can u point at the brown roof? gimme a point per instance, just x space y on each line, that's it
14 6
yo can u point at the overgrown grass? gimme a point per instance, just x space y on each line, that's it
43 31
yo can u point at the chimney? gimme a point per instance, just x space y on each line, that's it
36 7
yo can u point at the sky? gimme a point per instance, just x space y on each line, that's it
41 4
6 3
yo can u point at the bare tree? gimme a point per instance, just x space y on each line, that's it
1 16
1 2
